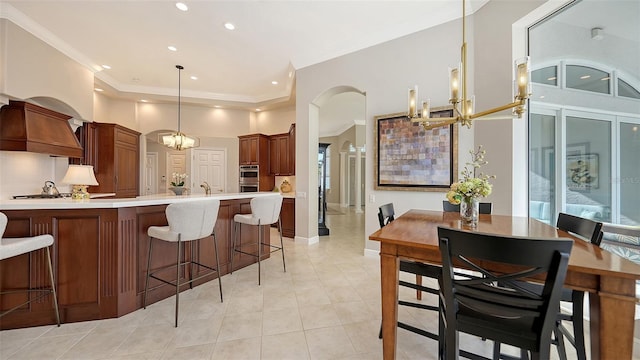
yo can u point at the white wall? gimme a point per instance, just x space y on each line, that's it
385 72
276 121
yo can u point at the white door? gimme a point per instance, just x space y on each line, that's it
209 165
176 163
151 173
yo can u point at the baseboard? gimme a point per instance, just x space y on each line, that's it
371 253
307 241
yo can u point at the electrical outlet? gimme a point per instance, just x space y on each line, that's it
301 195
372 198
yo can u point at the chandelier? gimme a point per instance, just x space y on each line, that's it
463 107
179 140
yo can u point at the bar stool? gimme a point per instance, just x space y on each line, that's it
10 247
265 210
188 221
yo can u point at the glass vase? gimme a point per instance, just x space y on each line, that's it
469 210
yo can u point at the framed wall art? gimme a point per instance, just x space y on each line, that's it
408 157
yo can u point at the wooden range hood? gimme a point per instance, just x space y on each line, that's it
32 128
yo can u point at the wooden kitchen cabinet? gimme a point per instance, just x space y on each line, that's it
279 154
113 150
282 153
254 150
288 217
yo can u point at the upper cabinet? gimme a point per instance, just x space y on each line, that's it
113 150
254 150
282 153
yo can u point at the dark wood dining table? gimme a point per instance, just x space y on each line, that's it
609 279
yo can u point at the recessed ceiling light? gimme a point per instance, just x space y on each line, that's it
635 128
106 67
257 109
551 78
182 6
144 100
229 26
194 78
584 77
274 82
172 48
98 90
217 106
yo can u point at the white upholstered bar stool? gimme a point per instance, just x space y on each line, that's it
265 210
188 221
10 247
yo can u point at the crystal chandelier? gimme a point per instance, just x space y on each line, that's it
179 140
463 107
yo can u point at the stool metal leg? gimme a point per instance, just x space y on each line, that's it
259 250
215 248
192 247
233 244
178 278
146 285
53 286
284 265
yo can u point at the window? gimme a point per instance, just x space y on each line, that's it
587 79
626 90
547 76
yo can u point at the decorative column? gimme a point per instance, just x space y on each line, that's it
343 178
358 180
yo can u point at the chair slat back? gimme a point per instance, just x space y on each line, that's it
386 214
587 228
193 219
544 258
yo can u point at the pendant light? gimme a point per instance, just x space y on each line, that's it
179 140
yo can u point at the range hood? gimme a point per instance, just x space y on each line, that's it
32 128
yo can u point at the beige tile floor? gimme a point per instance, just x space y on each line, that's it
326 306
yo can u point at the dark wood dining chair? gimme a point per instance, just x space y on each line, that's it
591 231
492 305
386 214
483 207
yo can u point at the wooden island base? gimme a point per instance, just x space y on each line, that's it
100 258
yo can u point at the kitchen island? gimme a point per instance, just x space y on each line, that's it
100 253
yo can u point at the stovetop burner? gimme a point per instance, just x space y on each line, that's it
43 196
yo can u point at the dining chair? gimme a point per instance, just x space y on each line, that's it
591 231
188 221
386 214
492 305
265 210
10 247
483 208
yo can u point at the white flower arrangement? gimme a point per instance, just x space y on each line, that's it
178 179
471 186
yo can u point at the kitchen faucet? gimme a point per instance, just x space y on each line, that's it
206 187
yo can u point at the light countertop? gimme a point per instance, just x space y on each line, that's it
105 203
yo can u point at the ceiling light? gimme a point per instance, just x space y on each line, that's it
172 48
144 100
258 109
463 106
584 77
98 89
229 26
274 82
605 78
182 6
179 140
106 67
194 78
217 106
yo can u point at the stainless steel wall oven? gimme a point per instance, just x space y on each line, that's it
249 178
